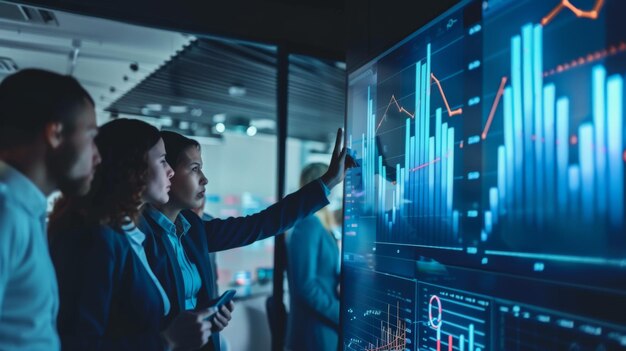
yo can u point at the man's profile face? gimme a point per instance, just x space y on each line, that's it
74 162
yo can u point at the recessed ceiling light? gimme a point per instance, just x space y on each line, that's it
220 127
263 123
154 107
178 109
236 90
251 131
166 121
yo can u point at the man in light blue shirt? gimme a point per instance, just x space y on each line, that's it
47 130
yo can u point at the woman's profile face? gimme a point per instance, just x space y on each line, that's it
159 174
188 186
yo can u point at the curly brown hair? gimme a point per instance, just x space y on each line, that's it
119 181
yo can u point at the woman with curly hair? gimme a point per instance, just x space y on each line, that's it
110 299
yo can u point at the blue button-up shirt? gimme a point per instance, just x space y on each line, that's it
189 271
29 297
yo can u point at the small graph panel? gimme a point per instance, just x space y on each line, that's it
531 328
381 314
453 320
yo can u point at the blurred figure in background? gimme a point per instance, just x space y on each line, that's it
313 274
47 130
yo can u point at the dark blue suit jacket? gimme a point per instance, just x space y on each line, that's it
218 235
107 299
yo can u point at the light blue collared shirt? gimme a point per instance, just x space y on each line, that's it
29 296
189 271
136 238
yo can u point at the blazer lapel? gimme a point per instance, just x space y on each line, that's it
169 274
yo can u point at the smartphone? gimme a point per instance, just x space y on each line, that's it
226 297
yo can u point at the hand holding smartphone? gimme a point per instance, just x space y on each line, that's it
226 297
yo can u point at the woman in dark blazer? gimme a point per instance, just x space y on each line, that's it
110 298
179 245
313 272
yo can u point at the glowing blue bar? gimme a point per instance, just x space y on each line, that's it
412 175
488 223
518 128
598 86
443 202
393 207
365 165
407 161
538 113
527 84
574 190
381 182
549 97
494 203
428 81
437 165
509 146
450 168
585 155
615 114
418 141
501 182
462 343
419 122
431 176
471 338
370 171
398 191
562 152
455 223
425 136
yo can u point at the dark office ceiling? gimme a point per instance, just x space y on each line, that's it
198 79
311 27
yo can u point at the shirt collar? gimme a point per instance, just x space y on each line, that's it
30 196
166 224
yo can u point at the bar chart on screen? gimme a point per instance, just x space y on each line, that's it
557 153
453 320
411 189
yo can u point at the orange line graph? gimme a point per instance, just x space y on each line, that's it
589 58
391 340
426 164
496 101
451 113
566 4
400 109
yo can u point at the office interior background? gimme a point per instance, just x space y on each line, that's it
488 209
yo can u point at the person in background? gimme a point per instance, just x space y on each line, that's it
313 275
110 297
47 130
179 254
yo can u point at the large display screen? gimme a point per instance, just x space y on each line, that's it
488 212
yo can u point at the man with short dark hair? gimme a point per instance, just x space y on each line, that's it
47 131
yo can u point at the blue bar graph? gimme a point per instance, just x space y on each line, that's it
551 167
416 189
